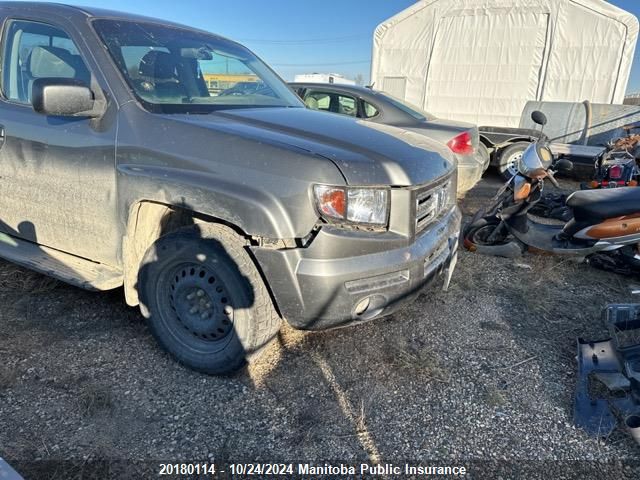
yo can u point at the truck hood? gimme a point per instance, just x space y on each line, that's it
366 153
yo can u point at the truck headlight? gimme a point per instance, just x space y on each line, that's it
357 205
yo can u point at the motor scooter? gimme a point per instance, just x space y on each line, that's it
604 222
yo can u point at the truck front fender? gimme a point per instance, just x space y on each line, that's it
254 211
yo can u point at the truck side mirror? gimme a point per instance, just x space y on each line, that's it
64 97
539 118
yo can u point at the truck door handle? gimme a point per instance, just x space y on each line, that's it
2 136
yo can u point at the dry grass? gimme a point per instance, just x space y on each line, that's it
94 399
419 360
494 397
16 278
627 338
7 378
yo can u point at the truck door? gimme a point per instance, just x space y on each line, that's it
57 174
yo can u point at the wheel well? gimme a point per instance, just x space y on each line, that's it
148 221
496 148
518 140
487 143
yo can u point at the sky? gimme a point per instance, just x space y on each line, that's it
298 36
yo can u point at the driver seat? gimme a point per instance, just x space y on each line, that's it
161 71
595 206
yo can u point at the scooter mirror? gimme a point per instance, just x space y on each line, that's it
539 117
564 166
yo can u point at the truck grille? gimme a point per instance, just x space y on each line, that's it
430 203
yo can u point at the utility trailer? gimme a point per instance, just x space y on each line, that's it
506 146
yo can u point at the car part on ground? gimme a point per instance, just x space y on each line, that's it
608 386
624 261
594 414
8 473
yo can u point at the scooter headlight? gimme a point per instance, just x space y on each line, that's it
535 161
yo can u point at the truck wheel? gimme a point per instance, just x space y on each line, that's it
508 159
205 301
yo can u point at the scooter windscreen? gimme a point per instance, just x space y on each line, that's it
535 161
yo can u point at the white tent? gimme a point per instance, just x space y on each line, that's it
481 60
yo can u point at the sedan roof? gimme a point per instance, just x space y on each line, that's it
395 111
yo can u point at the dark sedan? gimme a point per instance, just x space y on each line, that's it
378 107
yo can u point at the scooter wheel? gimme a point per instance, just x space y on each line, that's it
480 231
476 239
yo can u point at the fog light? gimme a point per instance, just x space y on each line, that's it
370 307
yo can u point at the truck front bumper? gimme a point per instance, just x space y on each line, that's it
318 287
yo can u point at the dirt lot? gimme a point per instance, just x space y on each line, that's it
483 372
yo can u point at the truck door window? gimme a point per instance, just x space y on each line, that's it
36 50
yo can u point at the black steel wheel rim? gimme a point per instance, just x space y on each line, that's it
199 301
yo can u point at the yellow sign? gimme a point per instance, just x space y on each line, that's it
225 77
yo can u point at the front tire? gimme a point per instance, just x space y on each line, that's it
478 234
205 300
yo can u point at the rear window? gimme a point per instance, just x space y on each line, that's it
415 112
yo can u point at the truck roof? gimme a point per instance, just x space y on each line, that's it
71 11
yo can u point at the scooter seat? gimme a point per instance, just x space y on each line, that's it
591 206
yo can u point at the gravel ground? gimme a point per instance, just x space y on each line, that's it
483 373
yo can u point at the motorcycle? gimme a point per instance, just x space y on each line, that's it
618 166
604 228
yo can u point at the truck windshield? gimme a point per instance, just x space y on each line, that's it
175 70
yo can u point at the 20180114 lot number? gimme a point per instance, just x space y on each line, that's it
187 469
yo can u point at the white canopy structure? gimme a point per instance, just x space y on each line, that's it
482 60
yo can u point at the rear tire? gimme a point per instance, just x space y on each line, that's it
205 300
508 159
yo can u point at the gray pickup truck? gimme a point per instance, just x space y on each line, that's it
129 160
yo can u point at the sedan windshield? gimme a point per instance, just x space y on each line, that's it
174 70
